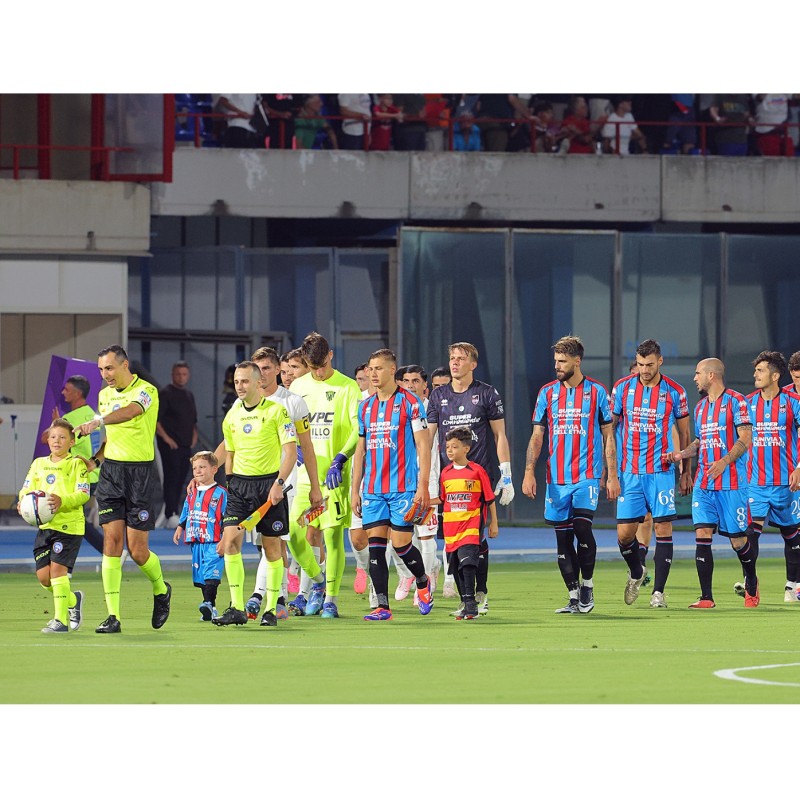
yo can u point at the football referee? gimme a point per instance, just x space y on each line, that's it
128 407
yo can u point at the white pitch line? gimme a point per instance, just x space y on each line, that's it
731 674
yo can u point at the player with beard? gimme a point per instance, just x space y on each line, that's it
575 409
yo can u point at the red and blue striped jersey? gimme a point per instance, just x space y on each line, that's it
203 510
715 426
646 416
573 417
776 426
388 426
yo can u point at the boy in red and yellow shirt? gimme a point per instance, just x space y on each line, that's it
466 493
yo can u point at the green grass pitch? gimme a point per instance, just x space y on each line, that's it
520 653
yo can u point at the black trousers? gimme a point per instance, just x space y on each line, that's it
176 470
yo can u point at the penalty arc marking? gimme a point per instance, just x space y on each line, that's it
732 674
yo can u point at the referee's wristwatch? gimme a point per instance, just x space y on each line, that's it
281 482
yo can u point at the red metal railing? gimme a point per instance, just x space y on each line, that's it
100 167
705 129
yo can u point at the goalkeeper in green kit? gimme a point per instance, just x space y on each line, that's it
332 400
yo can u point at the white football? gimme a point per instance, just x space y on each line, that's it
35 509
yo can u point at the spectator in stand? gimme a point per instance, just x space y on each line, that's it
384 116
466 136
240 132
681 136
575 135
281 110
771 135
545 128
410 134
437 114
459 103
620 130
727 109
356 108
493 109
310 126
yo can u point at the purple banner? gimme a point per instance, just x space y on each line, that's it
62 368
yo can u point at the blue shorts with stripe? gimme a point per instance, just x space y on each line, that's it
777 504
386 509
562 500
206 564
724 509
647 492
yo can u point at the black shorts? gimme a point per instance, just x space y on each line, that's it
60 548
465 556
246 494
125 491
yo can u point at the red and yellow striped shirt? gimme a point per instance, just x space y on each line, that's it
466 492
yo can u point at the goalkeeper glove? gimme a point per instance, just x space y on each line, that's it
505 488
334 477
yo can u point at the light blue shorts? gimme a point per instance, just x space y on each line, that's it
206 564
386 509
724 509
562 500
775 504
642 493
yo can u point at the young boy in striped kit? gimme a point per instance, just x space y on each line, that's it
201 526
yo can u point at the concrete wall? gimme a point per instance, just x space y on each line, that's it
58 216
486 186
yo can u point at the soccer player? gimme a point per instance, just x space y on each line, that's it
76 390
466 493
55 549
128 408
200 525
359 541
470 402
794 371
575 409
724 429
362 379
393 456
261 451
440 377
293 581
267 361
415 379
332 400
773 472
645 406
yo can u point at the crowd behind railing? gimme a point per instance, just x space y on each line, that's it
683 124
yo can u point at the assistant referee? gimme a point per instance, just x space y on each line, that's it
128 407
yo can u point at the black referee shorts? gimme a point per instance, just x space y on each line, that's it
245 494
124 492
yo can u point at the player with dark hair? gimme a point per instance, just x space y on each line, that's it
75 393
268 362
645 406
773 471
724 430
470 402
332 400
440 376
128 408
361 378
575 409
261 451
393 456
